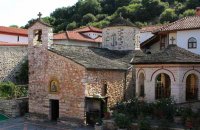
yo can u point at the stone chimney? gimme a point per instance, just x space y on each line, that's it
198 11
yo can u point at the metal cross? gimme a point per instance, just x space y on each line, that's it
172 40
39 15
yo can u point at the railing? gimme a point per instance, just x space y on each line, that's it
21 91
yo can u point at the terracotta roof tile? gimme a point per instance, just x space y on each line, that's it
150 28
12 30
78 36
60 36
73 35
186 23
12 44
88 29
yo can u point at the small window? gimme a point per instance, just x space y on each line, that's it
104 89
18 38
192 43
37 37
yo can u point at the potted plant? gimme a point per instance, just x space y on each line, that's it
106 113
122 121
98 125
178 118
188 115
144 124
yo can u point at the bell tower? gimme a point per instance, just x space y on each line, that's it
40 34
40 38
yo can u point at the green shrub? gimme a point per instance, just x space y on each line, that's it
144 125
7 89
166 107
134 108
122 120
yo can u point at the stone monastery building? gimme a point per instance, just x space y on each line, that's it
70 82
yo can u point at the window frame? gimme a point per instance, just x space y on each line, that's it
192 44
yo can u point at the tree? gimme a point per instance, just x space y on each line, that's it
151 9
192 4
71 26
89 6
168 15
14 26
88 18
189 12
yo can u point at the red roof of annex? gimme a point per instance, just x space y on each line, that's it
12 44
77 35
13 31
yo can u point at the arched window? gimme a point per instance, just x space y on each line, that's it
191 87
141 85
192 43
163 86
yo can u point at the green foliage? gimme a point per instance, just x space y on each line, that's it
22 75
166 108
99 13
9 90
88 18
134 108
189 12
122 120
144 124
168 15
14 26
71 26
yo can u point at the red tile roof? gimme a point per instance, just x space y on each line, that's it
150 28
13 31
12 44
88 29
60 36
186 23
78 36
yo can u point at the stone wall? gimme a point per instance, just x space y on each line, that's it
14 107
71 95
11 59
130 84
120 38
115 80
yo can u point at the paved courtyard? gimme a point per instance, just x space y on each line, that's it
21 124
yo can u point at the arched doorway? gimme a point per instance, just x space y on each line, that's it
163 86
191 87
141 85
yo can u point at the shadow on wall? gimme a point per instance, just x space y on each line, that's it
18 72
130 84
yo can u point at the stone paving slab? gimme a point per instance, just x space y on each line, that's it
21 124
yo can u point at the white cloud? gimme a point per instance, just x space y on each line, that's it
18 12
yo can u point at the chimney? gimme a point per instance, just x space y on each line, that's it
197 11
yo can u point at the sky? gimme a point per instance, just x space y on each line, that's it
19 12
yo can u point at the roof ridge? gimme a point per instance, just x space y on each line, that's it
15 28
